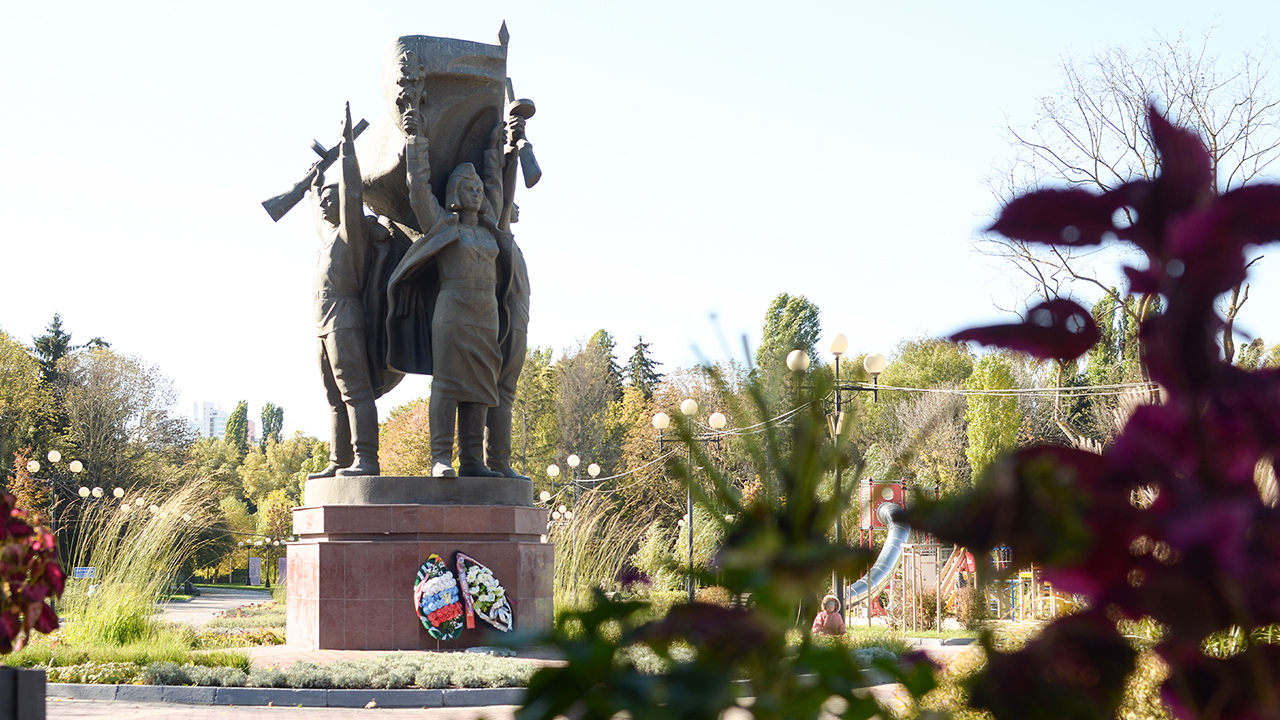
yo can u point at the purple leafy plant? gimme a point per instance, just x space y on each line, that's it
30 577
1204 555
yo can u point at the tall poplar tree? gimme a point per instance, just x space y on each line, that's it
790 323
993 419
272 423
237 432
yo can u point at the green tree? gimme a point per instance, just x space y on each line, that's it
275 514
22 397
272 423
534 431
287 460
602 342
642 370
118 408
255 477
790 323
897 420
215 459
55 344
993 420
50 348
404 443
237 432
585 390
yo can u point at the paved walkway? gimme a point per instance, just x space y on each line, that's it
77 709
199 610
891 696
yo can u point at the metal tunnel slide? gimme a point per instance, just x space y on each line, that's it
878 576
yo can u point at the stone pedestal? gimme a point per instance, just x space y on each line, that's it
351 574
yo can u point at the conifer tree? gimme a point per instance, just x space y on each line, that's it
642 370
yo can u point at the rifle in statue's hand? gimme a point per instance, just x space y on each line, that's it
281 204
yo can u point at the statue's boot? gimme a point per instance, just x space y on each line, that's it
340 451
498 447
364 438
471 418
442 415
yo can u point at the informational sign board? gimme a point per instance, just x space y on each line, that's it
255 571
84 573
282 570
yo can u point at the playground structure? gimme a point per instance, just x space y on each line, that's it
907 575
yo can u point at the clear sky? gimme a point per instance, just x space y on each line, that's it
699 158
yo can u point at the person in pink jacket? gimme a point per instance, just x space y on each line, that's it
828 621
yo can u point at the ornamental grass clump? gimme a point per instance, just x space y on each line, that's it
591 549
136 547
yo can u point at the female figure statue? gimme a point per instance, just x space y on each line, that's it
447 315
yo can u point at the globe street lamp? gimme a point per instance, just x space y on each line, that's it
553 472
55 458
874 364
717 421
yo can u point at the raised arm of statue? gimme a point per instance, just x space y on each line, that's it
513 132
317 200
492 174
350 190
418 169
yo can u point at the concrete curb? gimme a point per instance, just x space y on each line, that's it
290 697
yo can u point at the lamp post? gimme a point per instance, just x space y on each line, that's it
565 514
553 472
717 421
874 364
74 466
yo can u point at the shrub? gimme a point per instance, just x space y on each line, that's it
109 673
433 678
216 676
867 657
165 673
350 674
714 595
271 677
304 674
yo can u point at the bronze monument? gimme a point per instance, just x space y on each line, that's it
435 285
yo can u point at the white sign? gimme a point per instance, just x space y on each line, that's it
255 571
282 570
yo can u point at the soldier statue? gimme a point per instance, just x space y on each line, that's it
342 265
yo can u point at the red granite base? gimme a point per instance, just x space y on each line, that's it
351 574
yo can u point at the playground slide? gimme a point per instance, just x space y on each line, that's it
878 576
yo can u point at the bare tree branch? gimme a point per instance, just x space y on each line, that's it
1093 133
